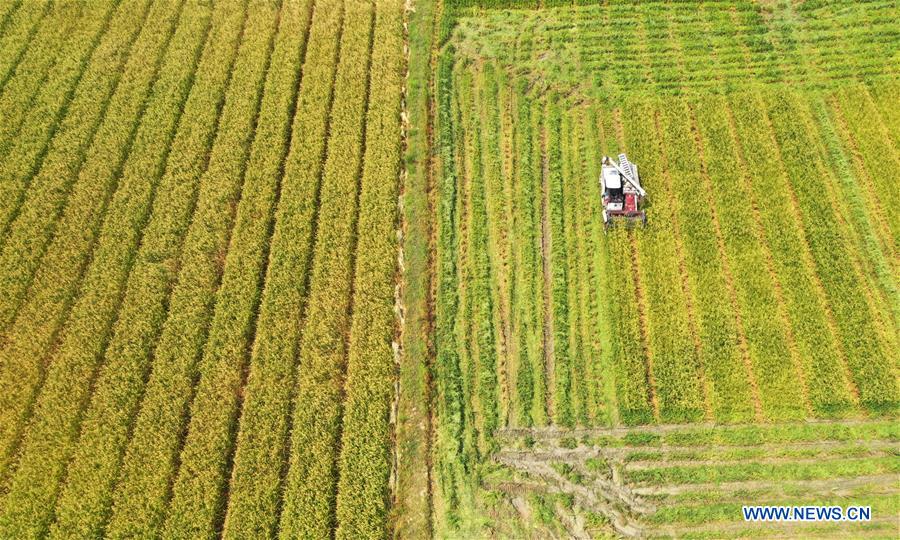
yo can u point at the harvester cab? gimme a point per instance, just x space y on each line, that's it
622 194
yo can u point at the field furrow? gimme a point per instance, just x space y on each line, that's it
21 27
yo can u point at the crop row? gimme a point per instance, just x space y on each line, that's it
199 488
450 407
676 374
39 320
769 377
263 431
495 157
869 361
49 153
365 461
310 487
83 506
21 27
526 246
806 308
51 40
476 282
142 486
80 347
559 322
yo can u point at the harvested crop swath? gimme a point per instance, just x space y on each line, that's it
308 507
255 487
48 440
199 490
812 327
46 154
36 325
144 480
365 461
84 502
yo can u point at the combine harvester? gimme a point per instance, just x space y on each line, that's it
622 194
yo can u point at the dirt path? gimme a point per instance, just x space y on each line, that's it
549 345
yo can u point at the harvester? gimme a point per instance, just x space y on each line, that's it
622 194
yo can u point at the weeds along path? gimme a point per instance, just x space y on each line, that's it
414 431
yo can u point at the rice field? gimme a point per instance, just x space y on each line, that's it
338 268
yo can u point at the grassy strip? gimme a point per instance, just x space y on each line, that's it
84 503
450 406
21 28
6 11
48 441
261 441
562 389
198 493
674 359
844 467
878 257
46 153
878 155
869 361
310 488
51 40
767 338
411 514
758 434
720 355
571 177
497 232
478 293
365 460
20 360
144 479
525 248
806 308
